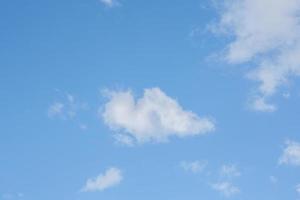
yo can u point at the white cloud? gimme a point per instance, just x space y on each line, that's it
110 178
110 3
226 188
229 171
266 34
291 154
194 166
153 117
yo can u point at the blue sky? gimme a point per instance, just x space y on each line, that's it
129 99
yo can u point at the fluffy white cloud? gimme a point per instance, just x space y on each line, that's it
265 33
194 166
110 3
229 171
110 178
226 188
291 154
153 117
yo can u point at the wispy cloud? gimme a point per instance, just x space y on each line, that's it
124 139
67 108
291 154
153 117
56 109
110 3
226 188
265 34
221 180
12 196
230 171
298 189
261 104
225 185
112 177
194 166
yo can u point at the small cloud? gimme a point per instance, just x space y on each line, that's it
124 139
112 177
260 104
67 108
226 188
110 3
225 184
154 117
225 176
56 109
229 171
194 166
291 154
